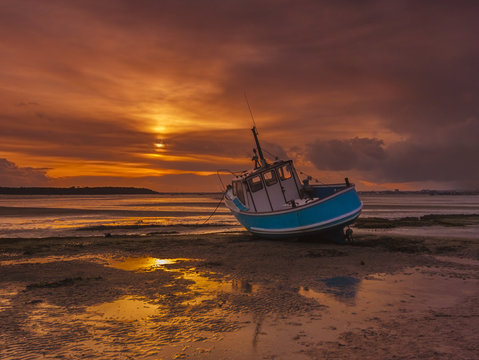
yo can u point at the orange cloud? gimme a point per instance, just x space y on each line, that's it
87 88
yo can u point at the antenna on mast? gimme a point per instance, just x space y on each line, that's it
249 107
255 134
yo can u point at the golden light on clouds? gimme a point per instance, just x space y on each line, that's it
97 92
92 168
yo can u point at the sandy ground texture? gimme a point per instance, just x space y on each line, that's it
234 296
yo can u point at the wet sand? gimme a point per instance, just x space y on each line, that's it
234 296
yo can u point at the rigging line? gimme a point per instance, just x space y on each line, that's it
252 117
313 178
217 206
221 181
234 173
249 107
273 155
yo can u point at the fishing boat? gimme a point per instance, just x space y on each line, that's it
271 201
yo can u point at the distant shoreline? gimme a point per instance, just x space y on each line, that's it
112 190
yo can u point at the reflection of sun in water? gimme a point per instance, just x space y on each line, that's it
126 308
202 287
159 262
143 263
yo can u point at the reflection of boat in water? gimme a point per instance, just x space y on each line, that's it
271 201
342 288
242 286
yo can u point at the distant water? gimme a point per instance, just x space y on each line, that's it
396 206
399 205
93 215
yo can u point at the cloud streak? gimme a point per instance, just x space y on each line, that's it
389 90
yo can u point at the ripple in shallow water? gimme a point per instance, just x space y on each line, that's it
185 310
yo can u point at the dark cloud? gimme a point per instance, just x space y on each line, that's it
69 136
390 87
356 153
12 175
233 143
448 157
237 142
273 151
233 148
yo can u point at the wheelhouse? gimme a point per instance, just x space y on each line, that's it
269 188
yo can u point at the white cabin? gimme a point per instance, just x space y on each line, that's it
270 188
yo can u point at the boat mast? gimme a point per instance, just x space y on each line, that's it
258 146
255 134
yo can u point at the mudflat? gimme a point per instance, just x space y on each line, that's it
234 296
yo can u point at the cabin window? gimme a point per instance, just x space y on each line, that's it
238 191
255 183
270 178
285 172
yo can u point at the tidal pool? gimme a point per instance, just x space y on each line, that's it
169 308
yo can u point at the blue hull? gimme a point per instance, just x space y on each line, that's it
325 215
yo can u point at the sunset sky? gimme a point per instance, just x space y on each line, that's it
151 93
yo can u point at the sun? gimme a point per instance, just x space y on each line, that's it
159 144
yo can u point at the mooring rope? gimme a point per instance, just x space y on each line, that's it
217 206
